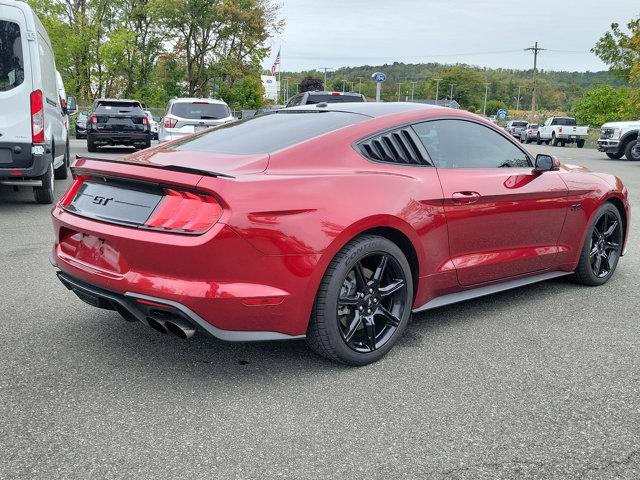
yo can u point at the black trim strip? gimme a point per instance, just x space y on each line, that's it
173 168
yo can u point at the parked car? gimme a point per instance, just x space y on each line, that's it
117 122
529 133
311 98
33 145
515 127
185 116
560 131
81 125
618 139
333 223
153 124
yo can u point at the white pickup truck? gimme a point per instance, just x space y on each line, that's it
562 130
618 139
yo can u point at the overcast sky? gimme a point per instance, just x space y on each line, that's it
492 33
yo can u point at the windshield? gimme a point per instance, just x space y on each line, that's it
519 124
112 107
11 61
200 110
267 133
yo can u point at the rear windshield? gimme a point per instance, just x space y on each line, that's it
569 122
11 61
519 124
108 107
200 111
327 97
268 133
533 125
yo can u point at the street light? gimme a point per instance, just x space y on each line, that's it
360 85
437 80
399 85
413 89
486 92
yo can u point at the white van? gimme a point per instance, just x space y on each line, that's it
33 143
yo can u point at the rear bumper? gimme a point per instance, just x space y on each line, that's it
23 161
133 306
118 138
217 278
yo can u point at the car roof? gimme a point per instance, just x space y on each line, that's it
370 109
333 92
194 99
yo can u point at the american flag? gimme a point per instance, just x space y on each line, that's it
276 64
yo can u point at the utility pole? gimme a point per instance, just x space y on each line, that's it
486 92
360 85
451 96
438 80
535 49
413 89
344 83
325 75
286 93
518 102
399 85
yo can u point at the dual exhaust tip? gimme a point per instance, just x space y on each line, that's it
172 324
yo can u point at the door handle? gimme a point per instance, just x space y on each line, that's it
465 198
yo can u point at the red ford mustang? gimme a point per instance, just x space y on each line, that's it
330 222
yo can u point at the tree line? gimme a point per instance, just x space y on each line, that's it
153 50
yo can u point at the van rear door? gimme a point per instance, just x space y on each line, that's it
15 87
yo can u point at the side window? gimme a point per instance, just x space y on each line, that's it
295 100
465 144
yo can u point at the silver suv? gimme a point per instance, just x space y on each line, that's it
188 115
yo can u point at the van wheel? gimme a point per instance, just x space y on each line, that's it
44 194
538 140
91 147
580 143
631 152
62 172
554 140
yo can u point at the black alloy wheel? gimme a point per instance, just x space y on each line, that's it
604 249
363 303
371 302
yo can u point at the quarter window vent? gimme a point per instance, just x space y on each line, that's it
395 146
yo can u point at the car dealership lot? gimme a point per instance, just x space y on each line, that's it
539 382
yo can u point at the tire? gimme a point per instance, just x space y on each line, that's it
45 193
342 333
91 146
615 156
538 140
580 143
602 222
631 152
62 172
554 140
527 141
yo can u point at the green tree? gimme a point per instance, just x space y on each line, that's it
621 51
605 104
310 84
468 86
493 106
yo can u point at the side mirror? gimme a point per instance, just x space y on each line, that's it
546 163
72 105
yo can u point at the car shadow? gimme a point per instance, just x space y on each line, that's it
204 357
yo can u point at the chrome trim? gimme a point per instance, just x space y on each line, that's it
227 335
486 290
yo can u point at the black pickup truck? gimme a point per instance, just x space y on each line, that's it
117 122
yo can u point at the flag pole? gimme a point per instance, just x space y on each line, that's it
280 71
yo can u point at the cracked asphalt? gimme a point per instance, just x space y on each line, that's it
542 382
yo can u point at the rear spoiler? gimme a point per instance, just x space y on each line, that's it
173 168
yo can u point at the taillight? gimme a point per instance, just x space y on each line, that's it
37 117
169 122
145 120
93 119
185 212
70 194
560 130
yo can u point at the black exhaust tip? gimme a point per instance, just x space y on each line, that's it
158 324
180 328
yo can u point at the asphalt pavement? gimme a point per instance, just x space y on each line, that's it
538 382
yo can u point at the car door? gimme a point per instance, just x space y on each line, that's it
503 219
